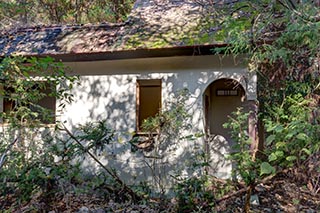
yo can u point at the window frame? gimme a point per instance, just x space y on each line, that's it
52 106
145 83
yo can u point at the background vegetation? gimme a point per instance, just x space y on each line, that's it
15 13
281 40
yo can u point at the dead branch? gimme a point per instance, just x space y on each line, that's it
243 190
226 197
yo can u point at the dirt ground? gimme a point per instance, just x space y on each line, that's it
290 191
282 193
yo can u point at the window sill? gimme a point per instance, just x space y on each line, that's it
40 126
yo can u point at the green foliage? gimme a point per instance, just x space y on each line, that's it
246 166
97 134
37 168
281 41
51 166
270 33
166 130
172 120
94 136
194 195
24 82
266 169
35 12
282 46
27 154
293 133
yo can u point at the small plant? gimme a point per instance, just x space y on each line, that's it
97 134
194 194
246 166
292 138
166 131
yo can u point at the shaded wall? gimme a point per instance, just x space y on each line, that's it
218 108
108 91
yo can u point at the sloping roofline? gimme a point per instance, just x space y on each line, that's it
153 29
138 53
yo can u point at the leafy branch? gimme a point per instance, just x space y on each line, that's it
135 197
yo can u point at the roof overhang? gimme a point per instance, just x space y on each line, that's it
138 53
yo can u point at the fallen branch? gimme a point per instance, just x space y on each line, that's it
233 194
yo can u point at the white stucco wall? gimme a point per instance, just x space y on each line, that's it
108 88
108 91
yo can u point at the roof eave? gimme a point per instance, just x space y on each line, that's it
132 54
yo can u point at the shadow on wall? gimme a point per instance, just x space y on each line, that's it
113 98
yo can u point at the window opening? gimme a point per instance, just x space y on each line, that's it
148 100
48 102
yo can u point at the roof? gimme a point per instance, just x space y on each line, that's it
152 24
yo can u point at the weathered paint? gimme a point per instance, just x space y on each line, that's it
108 91
218 109
108 88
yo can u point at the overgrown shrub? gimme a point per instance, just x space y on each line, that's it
166 132
195 195
26 156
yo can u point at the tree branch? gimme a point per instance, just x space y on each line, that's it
292 7
4 154
134 196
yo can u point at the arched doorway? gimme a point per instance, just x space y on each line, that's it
220 99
